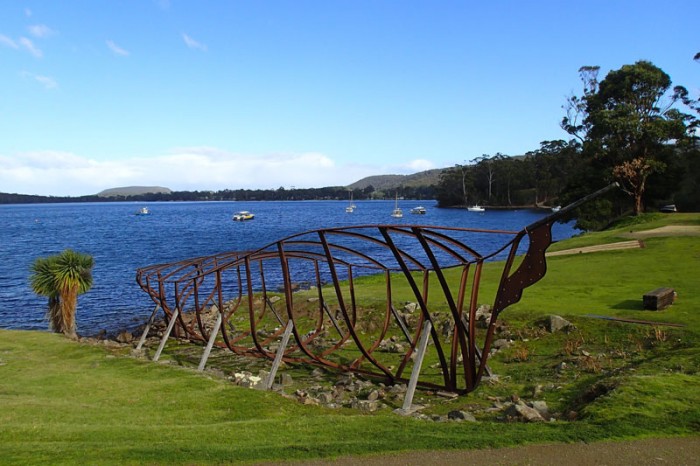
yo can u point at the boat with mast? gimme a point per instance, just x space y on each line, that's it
351 207
397 212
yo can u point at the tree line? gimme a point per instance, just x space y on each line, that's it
632 127
279 194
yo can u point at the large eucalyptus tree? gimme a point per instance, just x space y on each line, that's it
626 122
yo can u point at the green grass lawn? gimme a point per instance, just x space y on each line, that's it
67 402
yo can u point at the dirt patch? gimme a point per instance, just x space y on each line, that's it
669 230
666 451
597 248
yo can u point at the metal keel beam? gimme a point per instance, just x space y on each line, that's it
210 343
166 335
278 356
413 381
148 327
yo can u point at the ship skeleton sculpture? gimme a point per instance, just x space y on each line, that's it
251 302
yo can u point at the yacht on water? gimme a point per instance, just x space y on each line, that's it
397 212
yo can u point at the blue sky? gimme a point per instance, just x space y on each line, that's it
262 94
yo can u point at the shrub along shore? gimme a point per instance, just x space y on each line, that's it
602 378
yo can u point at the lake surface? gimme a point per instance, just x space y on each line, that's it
121 242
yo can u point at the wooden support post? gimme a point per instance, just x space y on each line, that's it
166 335
210 343
413 381
278 357
148 327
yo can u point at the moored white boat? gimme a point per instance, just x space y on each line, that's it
351 207
476 208
242 216
397 212
420 210
143 211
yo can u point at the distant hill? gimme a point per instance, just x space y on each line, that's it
387 182
133 191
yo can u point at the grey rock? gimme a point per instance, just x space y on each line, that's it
520 411
410 307
554 323
125 337
365 405
541 407
458 415
501 343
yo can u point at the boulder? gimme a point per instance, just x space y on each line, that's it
125 337
554 323
365 405
541 407
458 415
410 307
521 411
501 343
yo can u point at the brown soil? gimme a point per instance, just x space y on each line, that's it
647 452
600 247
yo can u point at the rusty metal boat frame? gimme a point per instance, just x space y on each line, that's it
251 303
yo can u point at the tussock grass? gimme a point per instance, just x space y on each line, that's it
66 403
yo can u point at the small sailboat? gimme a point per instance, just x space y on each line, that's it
397 212
351 207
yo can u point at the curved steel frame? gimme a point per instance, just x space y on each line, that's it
330 318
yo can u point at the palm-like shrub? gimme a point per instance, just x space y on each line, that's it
62 278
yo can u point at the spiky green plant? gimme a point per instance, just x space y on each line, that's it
62 278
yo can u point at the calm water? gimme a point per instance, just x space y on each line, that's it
121 242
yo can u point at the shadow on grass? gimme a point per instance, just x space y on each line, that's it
629 305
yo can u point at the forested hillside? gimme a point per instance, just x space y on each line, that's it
628 128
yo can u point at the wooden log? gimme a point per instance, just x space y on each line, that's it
659 298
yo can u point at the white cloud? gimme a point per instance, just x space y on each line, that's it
116 49
193 44
419 165
46 81
30 47
197 168
7 42
21 43
40 30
